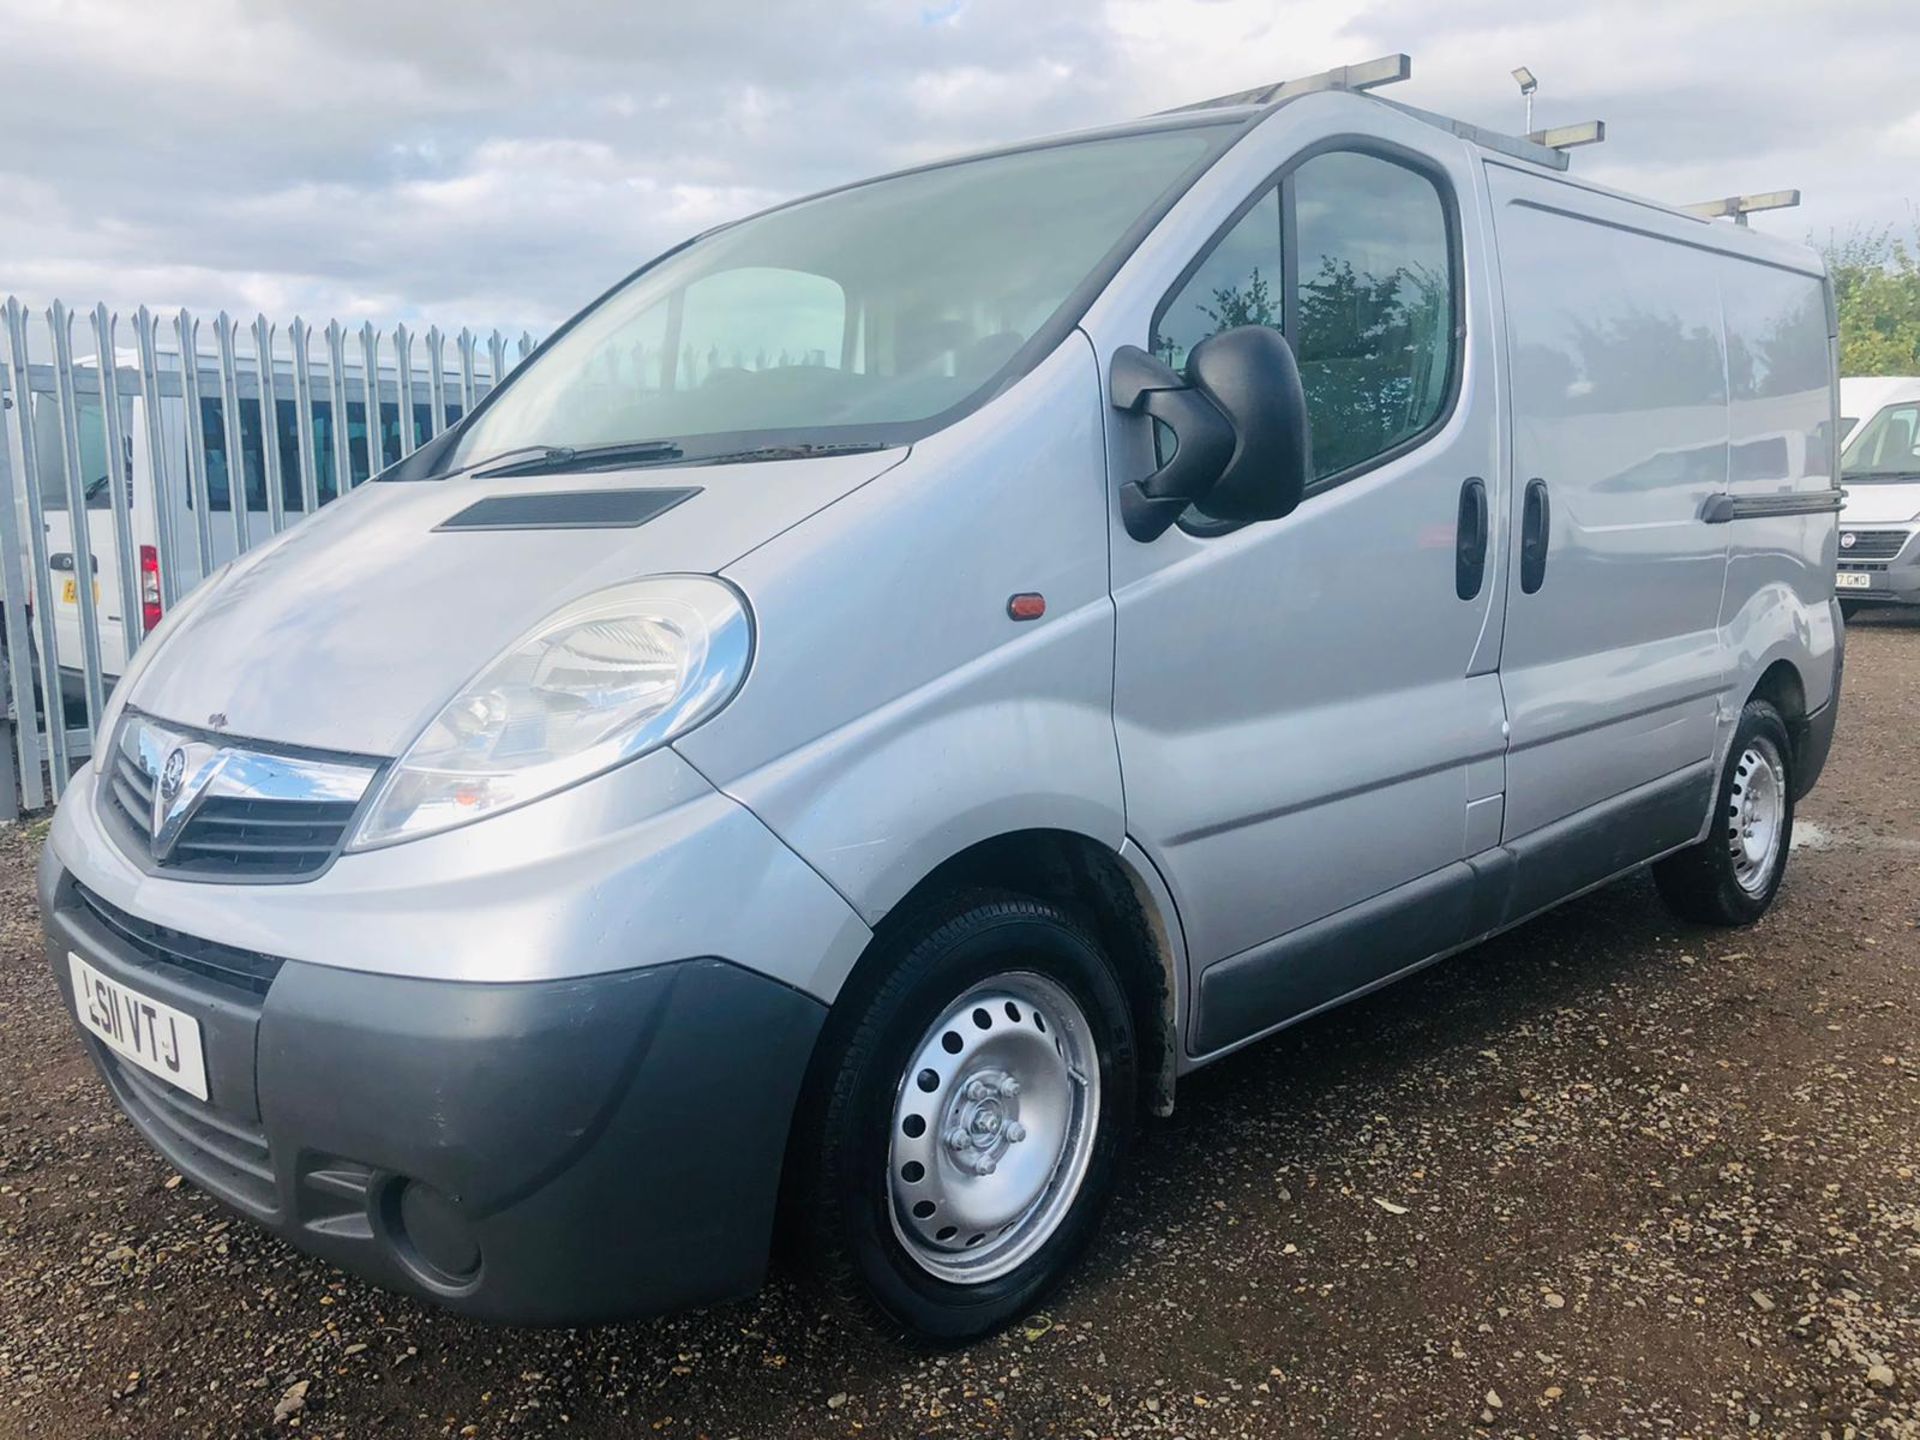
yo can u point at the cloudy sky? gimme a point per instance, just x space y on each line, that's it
499 161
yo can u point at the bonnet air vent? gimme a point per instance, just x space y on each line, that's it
568 510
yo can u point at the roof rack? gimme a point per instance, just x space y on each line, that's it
1387 70
1737 207
1542 147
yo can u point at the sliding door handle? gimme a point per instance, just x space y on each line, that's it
1470 543
1536 522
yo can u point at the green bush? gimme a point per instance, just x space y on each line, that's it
1876 283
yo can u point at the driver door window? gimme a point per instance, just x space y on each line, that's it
1365 291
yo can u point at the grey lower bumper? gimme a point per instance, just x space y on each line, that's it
542 1153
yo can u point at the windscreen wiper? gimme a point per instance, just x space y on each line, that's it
789 452
566 459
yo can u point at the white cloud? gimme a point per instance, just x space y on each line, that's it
503 162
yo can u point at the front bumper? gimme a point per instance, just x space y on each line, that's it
1889 582
550 1152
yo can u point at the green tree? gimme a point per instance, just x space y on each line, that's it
1234 307
1876 285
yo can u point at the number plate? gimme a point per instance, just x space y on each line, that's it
158 1038
1853 580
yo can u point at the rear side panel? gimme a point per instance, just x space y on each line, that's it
1780 575
1613 664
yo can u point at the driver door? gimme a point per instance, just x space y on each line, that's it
1309 716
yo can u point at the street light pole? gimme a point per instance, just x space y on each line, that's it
1525 79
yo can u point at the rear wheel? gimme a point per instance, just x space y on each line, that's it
971 1105
1731 877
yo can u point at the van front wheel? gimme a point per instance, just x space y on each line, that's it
970 1109
1731 877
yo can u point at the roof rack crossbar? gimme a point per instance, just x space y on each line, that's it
1737 207
1569 137
1369 75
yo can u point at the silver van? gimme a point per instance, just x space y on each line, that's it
903 678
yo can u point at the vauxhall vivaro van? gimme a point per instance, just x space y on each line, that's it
904 677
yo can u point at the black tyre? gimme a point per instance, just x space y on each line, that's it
968 1109
1731 877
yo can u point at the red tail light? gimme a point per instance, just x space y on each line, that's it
149 588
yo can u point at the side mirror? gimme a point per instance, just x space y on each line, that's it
1239 420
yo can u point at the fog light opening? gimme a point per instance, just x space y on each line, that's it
428 1233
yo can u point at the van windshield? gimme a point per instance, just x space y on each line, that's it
858 317
1887 447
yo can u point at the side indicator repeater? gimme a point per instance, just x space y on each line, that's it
1027 605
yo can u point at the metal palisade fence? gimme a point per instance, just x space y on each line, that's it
130 473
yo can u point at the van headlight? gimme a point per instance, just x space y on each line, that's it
602 680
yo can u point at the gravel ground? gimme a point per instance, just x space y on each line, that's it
1609 1175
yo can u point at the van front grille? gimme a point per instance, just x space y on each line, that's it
1872 544
291 828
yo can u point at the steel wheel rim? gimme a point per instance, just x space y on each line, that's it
1756 816
993 1128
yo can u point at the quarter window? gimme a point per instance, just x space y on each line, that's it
1350 255
1238 283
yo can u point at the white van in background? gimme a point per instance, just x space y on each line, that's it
1863 396
1880 467
146 491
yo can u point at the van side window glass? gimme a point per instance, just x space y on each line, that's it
213 435
287 427
1376 305
95 472
1238 283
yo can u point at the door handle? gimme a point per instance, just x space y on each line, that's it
1535 521
1470 542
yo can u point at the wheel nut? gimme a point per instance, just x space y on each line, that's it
956 1138
987 1167
1009 1086
1015 1132
977 1091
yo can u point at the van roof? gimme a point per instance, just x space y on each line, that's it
1354 84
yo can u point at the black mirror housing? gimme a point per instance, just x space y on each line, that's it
1250 374
1239 418
1204 437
